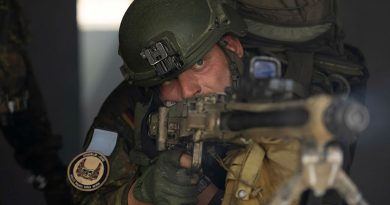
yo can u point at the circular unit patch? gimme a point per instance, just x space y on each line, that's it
88 171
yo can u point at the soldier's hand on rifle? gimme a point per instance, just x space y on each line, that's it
166 182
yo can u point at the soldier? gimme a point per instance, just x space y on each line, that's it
173 50
23 119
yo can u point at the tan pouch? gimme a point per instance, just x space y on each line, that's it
260 170
244 173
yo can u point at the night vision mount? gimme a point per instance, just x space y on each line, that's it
163 58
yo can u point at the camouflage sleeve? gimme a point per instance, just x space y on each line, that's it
23 118
115 116
27 129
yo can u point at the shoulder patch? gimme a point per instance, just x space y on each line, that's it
88 171
103 141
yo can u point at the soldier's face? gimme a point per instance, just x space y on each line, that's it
211 75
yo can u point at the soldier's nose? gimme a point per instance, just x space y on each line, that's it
189 85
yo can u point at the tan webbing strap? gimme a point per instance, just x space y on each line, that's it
140 111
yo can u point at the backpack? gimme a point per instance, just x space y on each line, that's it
305 35
288 20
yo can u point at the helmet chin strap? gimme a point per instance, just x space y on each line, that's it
236 65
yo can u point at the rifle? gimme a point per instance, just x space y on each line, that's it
265 108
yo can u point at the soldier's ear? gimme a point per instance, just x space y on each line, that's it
234 45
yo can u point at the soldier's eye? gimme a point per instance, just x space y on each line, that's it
199 65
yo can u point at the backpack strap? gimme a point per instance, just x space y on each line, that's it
139 115
144 146
300 69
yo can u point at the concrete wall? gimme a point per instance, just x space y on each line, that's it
99 71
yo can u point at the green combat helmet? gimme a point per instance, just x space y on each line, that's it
160 39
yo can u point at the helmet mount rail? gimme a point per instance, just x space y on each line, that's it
163 58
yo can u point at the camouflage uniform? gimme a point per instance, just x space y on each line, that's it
117 115
23 119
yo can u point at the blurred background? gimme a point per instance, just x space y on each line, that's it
73 50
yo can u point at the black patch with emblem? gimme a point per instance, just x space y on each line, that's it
88 171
